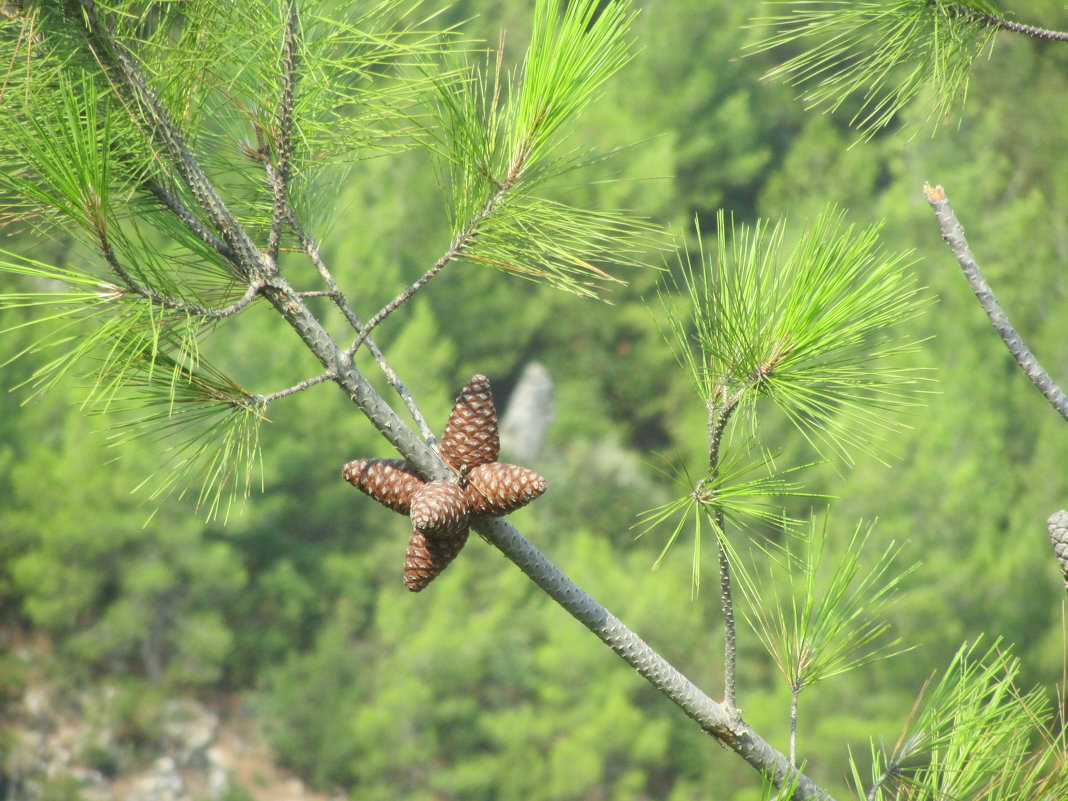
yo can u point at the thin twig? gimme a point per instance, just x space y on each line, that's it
889 773
456 249
265 400
460 243
179 209
402 298
1008 25
719 412
730 636
793 726
953 234
311 249
166 301
284 137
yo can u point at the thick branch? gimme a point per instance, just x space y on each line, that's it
711 716
953 234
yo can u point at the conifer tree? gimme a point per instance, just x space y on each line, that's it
192 151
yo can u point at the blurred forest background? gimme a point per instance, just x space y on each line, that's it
481 688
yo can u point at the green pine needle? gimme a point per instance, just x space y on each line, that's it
142 363
818 621
973 735
207 424
815 327
498 136
742 491
879 56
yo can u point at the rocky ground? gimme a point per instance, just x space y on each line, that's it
81 748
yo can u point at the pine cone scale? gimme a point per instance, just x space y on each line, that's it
391 482
499 488
439 509
426 557
471 435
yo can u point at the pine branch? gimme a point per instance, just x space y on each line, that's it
457 249
720 411
875 58
398 301
164 301
266 400
171 202
131 85
730 636
311 249
284 137
246 256
714 718
794 693
994 21
953 234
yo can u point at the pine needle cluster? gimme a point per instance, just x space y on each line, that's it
814 326
186 148
974 734
151 279
498 135
873 58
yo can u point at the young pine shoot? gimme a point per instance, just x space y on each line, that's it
818 620
743 491
812 326
498 138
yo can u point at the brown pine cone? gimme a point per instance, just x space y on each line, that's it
471 436
439 509
391 482
428 556
499 488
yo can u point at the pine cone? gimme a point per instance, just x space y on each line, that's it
471 437
499 488
1058 534
428 556
391 482
439 509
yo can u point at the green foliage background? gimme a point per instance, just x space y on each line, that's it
481 688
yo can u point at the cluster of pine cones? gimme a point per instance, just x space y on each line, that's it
441 510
